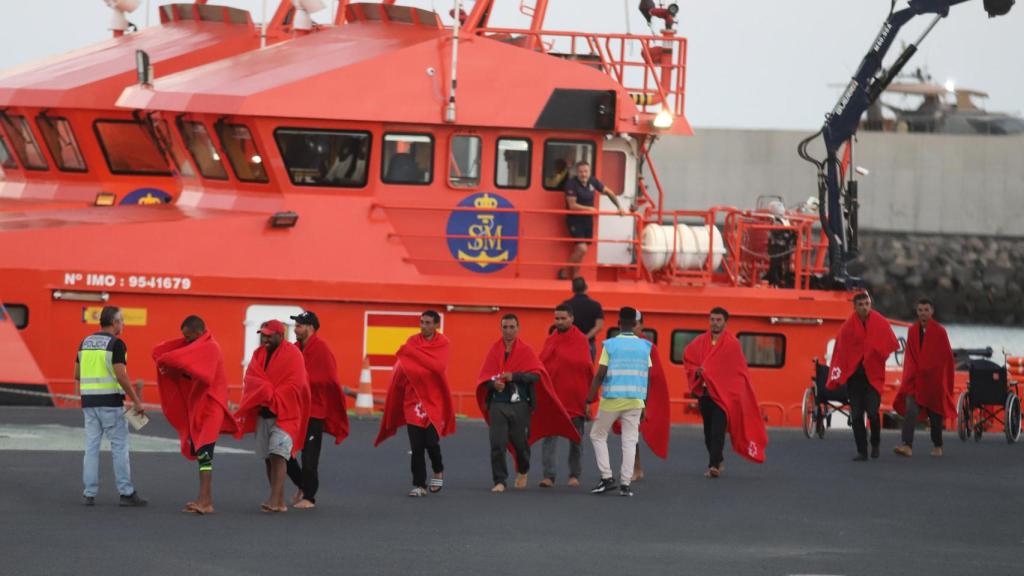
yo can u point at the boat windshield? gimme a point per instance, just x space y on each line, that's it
513 163
408 159
128 149
23 142
560 158
324 157
247 162
204 152
6 160
464 163
61 142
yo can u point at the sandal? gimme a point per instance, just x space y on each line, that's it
417 492
436 484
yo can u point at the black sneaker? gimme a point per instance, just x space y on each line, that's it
874 451
133 500
88 500
603 486
625 490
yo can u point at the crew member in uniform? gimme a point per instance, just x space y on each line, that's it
581 196
101 376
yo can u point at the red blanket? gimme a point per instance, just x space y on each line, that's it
857 342
549 417
725 373
566 357
927 371
283 387
421 364
327 400
194 391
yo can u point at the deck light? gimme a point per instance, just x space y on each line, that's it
478 309
75 296
256 159
105 199
286 219
663 120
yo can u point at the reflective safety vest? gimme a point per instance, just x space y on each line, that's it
629 360
95 366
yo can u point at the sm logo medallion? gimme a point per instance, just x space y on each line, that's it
479 238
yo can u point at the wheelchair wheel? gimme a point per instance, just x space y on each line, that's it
1011 418
963 417
809 410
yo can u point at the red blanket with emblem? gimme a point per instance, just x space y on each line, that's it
858 342
566 357
421 364
927 371
283 387
327 400
723 370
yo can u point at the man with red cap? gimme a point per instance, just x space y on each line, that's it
327 412
194 398
275 405
720 380
927 383
513 384
862 346
566 356
419 399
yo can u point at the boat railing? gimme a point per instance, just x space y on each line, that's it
652 69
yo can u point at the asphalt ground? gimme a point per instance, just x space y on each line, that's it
808 510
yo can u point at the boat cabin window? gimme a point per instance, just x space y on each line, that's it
23 142
60 140
129 149
408 159
204 152
163 133
649 333
464 163
17 313
324 157
560 158
680 340
763 350
512 163
6 160
236 141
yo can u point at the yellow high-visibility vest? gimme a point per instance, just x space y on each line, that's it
95 366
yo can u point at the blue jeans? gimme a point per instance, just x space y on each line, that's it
107 421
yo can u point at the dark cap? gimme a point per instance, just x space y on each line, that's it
308 318
271 327
629 314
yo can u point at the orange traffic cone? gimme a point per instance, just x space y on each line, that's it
364 399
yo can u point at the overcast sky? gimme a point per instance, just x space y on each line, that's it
752 63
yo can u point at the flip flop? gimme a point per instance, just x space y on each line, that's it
271 510
436 484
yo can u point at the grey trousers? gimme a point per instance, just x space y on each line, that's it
935 422
550 452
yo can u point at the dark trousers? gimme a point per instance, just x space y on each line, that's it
510 424
550 451
935 423
864 399
305 476
714 429
424 440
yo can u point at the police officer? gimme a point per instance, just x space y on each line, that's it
101 376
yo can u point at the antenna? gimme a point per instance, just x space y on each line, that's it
449 114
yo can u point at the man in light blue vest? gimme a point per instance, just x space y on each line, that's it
102 377
622 376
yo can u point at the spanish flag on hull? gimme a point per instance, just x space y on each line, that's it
385 332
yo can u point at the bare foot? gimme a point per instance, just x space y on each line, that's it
304 505
637 475
298 496
202 509
521 480
498 488
574 482
273 509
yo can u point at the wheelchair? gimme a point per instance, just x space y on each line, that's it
820 403
991 398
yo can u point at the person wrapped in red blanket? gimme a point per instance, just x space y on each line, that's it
927 384
419 399
194 399
275 405
327 411
519 403
717 373
862 346
566 357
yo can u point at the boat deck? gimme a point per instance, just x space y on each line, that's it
809 510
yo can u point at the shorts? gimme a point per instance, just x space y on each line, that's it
581 227
204 456
271 440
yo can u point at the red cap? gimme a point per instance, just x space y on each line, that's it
271 327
